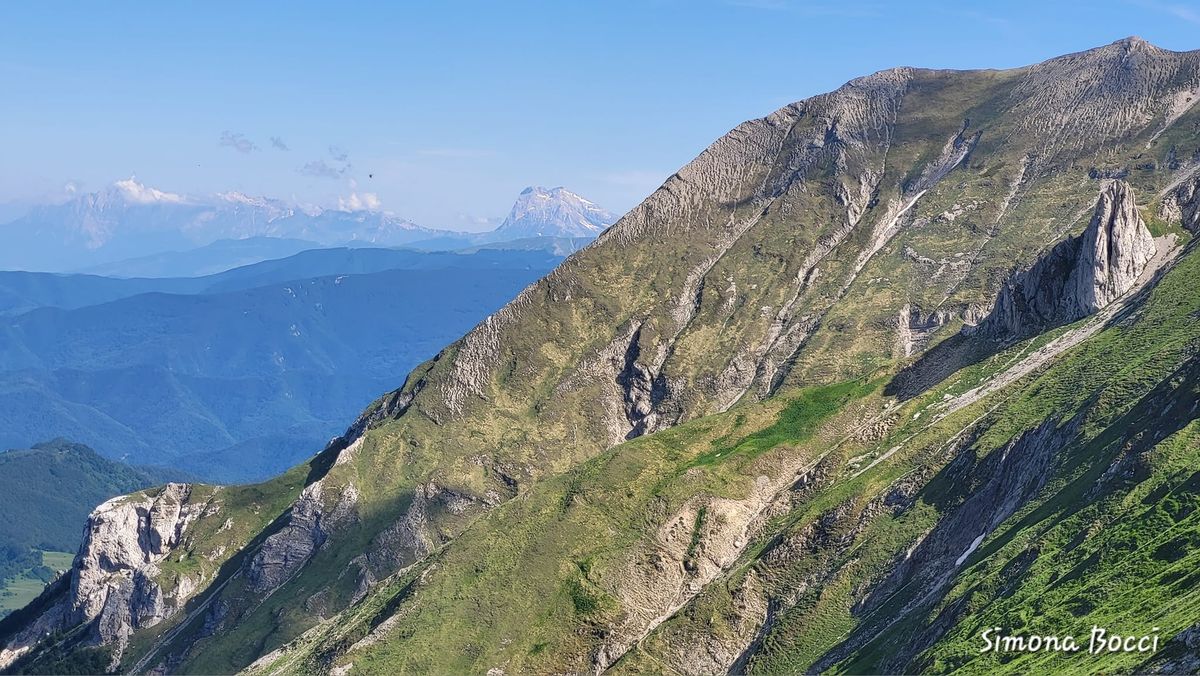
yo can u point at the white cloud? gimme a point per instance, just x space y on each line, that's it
140 194
322 169
367 201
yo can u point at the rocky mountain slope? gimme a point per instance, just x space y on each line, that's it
884 368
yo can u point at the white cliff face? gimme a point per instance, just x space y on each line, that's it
113 579
1114 250
114 582
1182 204
553 212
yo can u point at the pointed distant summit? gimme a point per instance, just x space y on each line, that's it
1134 42
553 212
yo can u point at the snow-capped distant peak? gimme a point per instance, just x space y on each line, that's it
271 209
242 198
138 193
554 212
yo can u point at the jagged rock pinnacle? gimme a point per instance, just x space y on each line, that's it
1081 275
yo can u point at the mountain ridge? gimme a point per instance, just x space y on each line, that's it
706 385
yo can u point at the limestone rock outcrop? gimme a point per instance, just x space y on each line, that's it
114 582
284 552
1079 276
1183 205
306 531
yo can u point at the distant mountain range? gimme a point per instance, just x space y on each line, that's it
237 375
21 292
221 255
130 229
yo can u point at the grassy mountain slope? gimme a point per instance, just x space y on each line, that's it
553 581
741 330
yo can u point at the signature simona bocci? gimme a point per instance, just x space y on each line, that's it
1099 640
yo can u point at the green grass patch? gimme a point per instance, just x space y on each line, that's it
798 421
20 589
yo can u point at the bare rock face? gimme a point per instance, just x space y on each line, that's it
915 327
284 552
114 574
1114 251
114 584
1079 276
1183 204
307 530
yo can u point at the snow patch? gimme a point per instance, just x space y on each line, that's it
970 550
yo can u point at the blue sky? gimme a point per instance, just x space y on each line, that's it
456 106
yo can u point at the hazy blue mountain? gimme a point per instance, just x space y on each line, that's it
21 292
12 210
238 384
221 255
557 246
345 260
